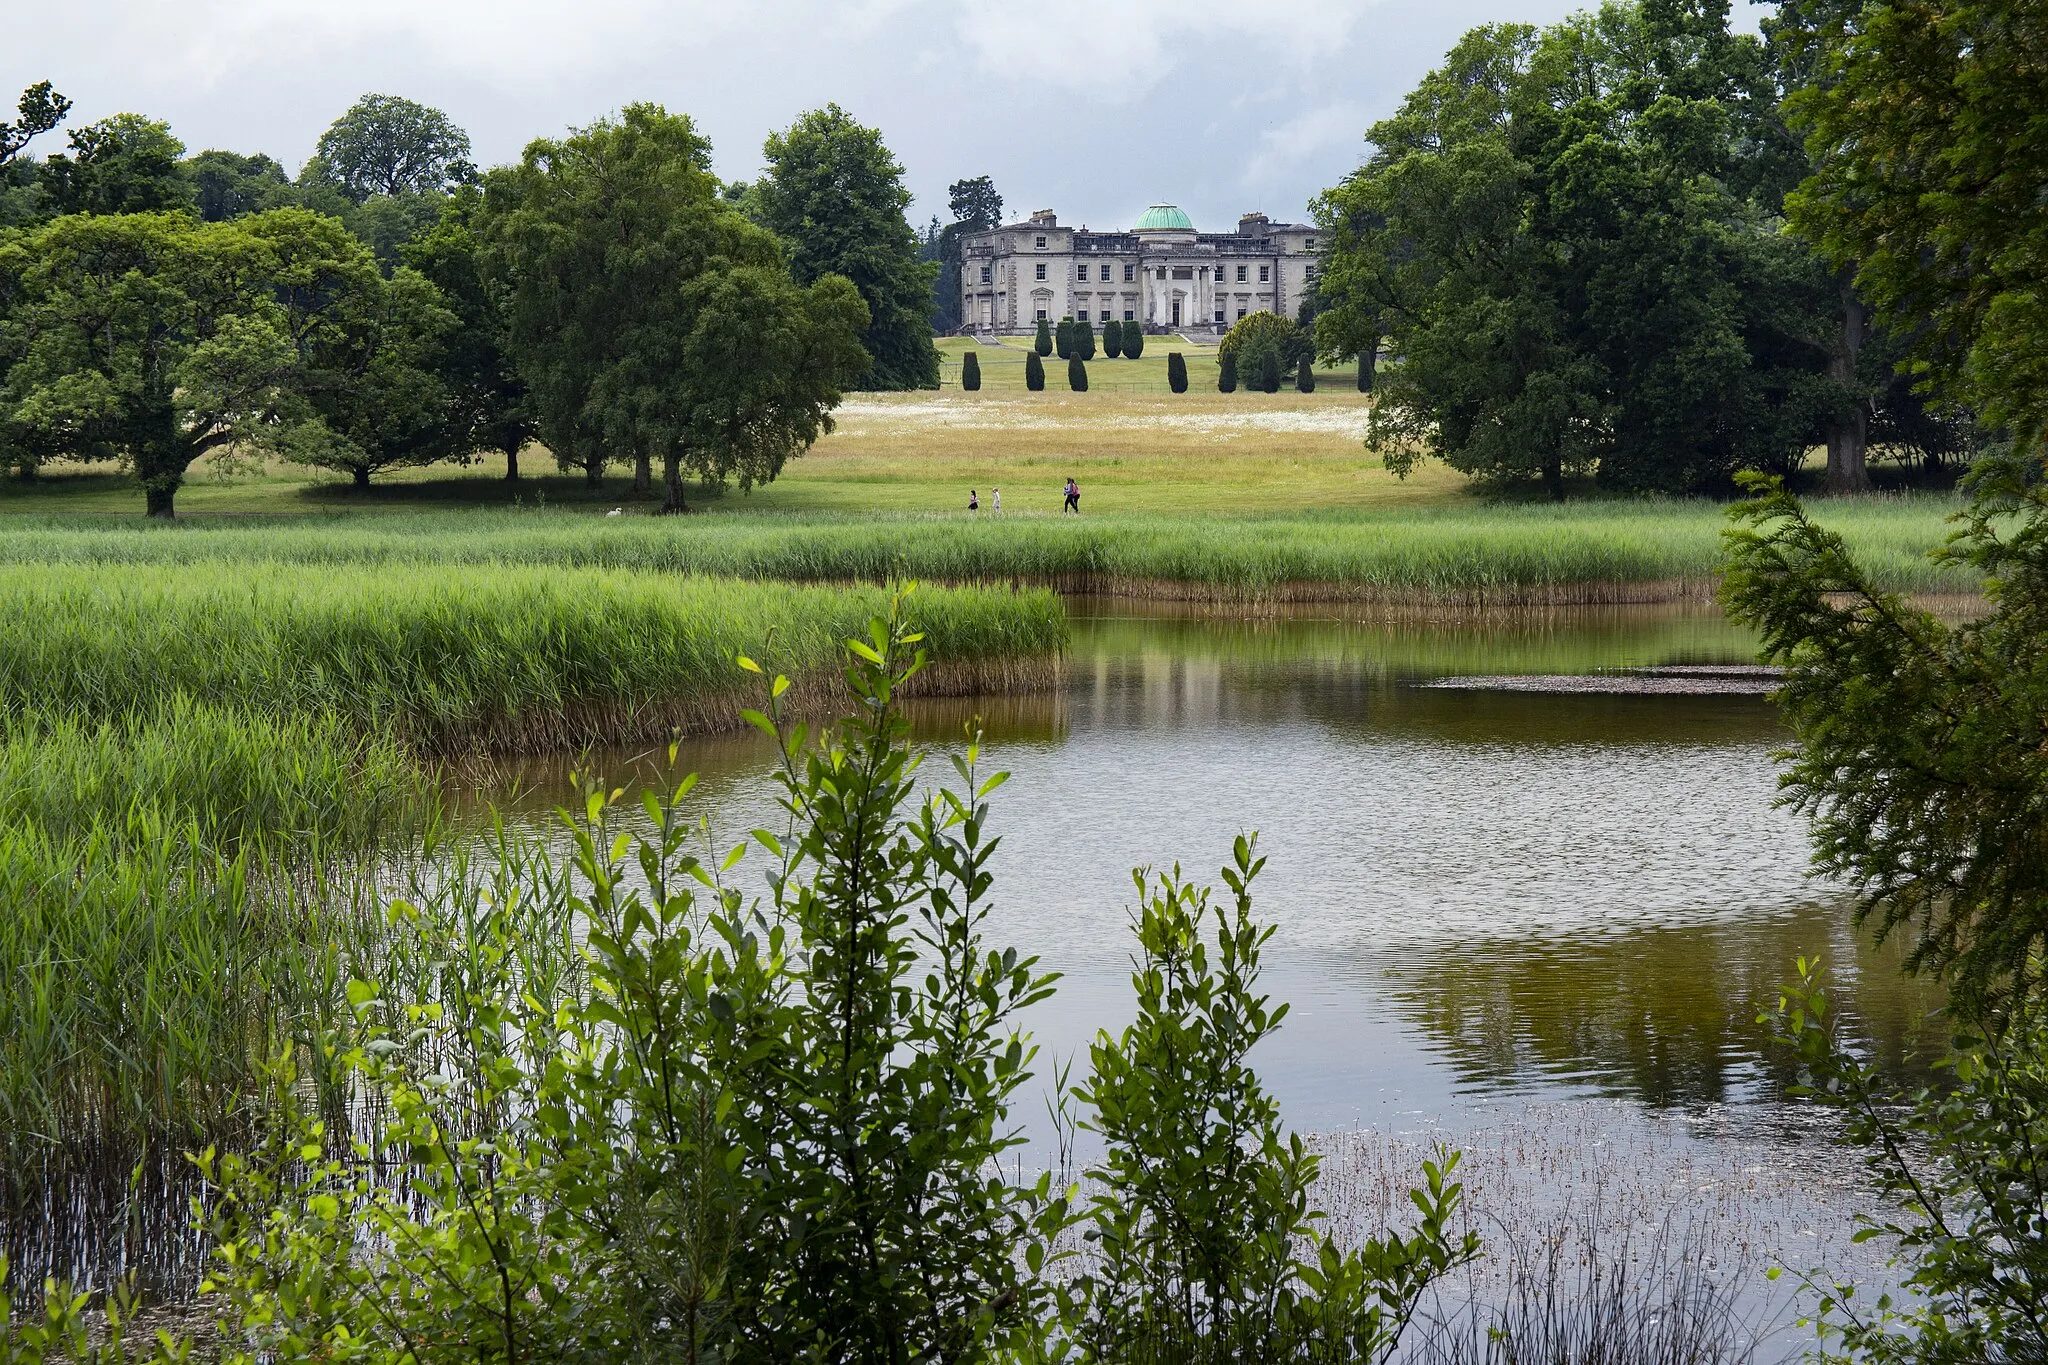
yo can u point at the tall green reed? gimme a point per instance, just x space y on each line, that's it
1459 550
508 656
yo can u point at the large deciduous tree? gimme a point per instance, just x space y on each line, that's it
1923 120
229 185
1571 240
487 399
392 146
122 164
834 193
650 319
154 339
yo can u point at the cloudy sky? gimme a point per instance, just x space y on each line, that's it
1094 108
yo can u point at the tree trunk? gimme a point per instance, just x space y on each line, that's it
26 471
1553 478
512 465
1849 435
1368 366
672 502
362 473
593 474
158 500
643 474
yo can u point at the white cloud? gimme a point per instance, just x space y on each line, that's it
1128 47
1319 136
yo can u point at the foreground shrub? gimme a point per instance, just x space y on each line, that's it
970 372
764 1130
1964 1168
1226 374
1043 344
1112 339
1034 371
1084 339
1176 372
776 1129
1077 374
1206 1246
1134 341
1063 339
1305 375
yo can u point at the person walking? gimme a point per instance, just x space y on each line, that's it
995 501
973 501
1073 502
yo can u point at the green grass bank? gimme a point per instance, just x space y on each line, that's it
1463 553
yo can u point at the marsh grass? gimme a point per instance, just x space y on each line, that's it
1469 555
216 775
466 656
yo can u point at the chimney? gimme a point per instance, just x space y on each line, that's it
1045 218
1252 224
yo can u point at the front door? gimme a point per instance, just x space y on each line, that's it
1176 310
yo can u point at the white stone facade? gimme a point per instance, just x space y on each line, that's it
1162 274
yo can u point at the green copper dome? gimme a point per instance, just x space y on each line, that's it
1164 218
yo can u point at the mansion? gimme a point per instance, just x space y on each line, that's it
1162 273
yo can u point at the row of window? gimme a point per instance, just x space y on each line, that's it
1130 315
1309 244
1130 273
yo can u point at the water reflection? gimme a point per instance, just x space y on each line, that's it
1476 893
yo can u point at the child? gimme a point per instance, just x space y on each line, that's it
995 502
973 501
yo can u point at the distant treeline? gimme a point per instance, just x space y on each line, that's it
391 305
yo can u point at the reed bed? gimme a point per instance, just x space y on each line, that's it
146 986
1466 554
502 657
218 776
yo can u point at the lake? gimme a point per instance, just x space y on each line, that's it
1540 925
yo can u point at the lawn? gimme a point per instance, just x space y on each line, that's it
1134 449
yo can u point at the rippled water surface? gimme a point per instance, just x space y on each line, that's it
1499 914
1478 894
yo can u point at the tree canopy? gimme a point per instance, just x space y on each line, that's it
121 164
1922 118
648 318
388 145
154 339
1571 239
487 406
834 193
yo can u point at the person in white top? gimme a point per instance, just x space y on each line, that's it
995 501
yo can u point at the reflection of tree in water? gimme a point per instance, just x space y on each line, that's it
1666 1015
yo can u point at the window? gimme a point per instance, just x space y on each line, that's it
1265 273
1130 315
1040 244
1160 273
1240 274
1183 272
987 275
1240 314
1105 272
1041 314
1219 317
1309 245
1102 316
1130 273
1041 275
